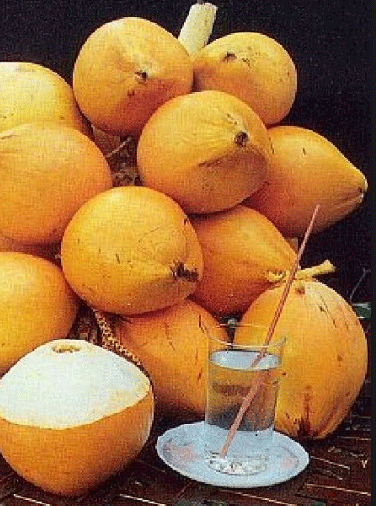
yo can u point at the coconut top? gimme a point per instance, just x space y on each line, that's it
68 382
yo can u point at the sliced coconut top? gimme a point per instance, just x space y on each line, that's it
68 382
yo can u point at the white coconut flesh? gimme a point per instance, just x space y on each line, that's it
66 383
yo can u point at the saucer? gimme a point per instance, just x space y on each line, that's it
181 449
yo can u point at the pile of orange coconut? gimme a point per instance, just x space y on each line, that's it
207 227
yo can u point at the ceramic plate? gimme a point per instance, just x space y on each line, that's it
181 449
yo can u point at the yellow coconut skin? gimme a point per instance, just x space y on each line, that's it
307 169
253 67
208 150
47 172
324 361
125 70
70 455
82 457
31 92
244 253
36 305
172 346
130 250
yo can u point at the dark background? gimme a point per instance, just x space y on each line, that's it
329 41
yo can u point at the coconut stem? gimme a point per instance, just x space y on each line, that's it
197 27
325 267
256 386
110 342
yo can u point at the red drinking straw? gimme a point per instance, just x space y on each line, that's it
256 385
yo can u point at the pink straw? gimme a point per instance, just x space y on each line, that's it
254 388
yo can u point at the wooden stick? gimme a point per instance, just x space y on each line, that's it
257 384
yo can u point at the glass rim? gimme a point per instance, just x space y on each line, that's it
259 346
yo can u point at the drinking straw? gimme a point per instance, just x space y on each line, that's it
256 385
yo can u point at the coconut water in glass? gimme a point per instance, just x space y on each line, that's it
232 371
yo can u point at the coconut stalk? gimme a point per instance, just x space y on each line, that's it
197 27
262 375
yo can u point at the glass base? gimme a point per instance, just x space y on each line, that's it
248 453
237 467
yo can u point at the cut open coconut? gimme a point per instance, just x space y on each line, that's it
72 414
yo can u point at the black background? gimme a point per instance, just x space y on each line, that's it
329 41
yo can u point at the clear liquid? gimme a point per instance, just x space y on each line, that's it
231 376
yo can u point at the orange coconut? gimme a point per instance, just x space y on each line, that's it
307 169
244 254
36 305
32 92
131 250
208 150
171 344
73 414
47 172
125 70
251 66
325 356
